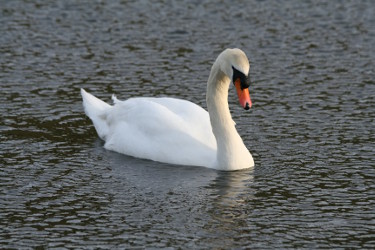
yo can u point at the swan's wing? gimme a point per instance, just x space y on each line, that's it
162 129
195 118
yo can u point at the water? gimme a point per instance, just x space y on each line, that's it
311 129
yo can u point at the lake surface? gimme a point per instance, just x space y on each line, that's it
311 129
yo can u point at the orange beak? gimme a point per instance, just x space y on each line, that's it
243 95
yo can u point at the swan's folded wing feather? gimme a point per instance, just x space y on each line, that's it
155 129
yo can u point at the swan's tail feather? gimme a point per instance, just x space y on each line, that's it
97 111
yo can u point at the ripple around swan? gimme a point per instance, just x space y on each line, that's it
311 129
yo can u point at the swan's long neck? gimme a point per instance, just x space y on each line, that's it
231 151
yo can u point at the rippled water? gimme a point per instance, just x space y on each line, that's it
311 129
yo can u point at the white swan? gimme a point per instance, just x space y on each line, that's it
177 131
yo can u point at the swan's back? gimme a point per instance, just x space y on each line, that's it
161 129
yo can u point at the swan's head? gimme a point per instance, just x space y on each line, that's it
234 64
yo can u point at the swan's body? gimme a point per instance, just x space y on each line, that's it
177 131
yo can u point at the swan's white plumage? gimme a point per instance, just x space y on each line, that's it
97 110
173 130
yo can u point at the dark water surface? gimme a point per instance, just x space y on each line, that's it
311 129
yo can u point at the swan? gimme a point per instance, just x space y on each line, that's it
177 131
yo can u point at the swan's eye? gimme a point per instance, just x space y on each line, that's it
245 80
